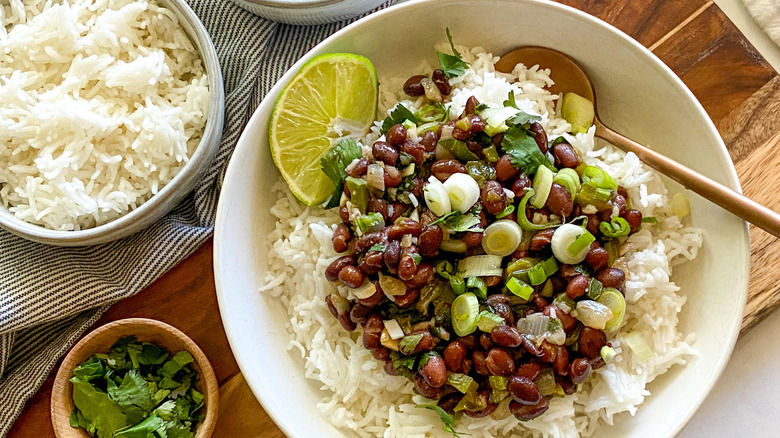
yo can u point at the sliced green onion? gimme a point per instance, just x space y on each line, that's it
680 205
649 220
488 321
501 238
550 266
613 299
444 268
436 197
519 288
432 126
507 211
598 178
477 286
523 220
465 313
408 124
480 266
463 191
594 289
569 179
602 195
536 275
546 382
490 153
580 243
565 303
587 196
638 344
607 353
542 184
617 227
563 239
358 192
593 314
457 284
613 249
461 382
434 112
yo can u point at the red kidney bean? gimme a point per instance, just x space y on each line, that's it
427 218
426 390
427 342
497 139
459 134
479 359
504 169
475 147
471 106
559 201
359 313
620 202
499 362
541 239
404 226
567 272
500 305
485 341
549 351
475 124
565 156
528 412
530 370
591 341
539 301
470 342
597 258
341 236
332 271
398 210
413 86
385 153
381 353
423 276
344 214
523 390
366 241
416 150
389 369
561 363
473 238
577 287
634 219
359 169
492 280
530 347
593 224
597 363
378 205
407 299
611 277
429 140
392 254
579 370
396 135
449 402
454 355
566 384
371 263
351 276
434 371
539 135
520 184
374 300
443 169
441 81
392 177
429 240
493 197
372 331
506 335
339 307
417 188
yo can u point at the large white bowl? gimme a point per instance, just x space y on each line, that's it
637 94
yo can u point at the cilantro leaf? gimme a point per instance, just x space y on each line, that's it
447 420
89 370
134 391
523 151
520 118
510 101
458 222
378 247
98 414
335 161
452 65
144 429
397 117
403 365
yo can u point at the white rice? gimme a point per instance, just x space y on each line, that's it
362 398
102 103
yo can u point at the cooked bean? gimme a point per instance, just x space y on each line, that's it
416 150
577 286
389 369
504 169
520 184
398 210
426 390
579 370
381 353
475 124
344 214
378 205
530 370
374 300
566 384
565 156
470 342
359 169
473 238
499 362
332 271
429 140
423 275
528 412
385 153
503 310
620 202
339 307
427 342
372 331
559 201
427 218
454 355
530 347
434 371
561 363
407 299
459 134
392 254
567 321
404 226
475 147
597 258
523 390
371 263
496 299
443 169
351 276
366 241
549 351
611 277
429 240
593 224
506 335
539 135
471 106
541 239
567 271
392 177
449 402
441 81
341 236
396 135
591 341
479 359
413 86
493 197
597 363
359 313
634 219
485 342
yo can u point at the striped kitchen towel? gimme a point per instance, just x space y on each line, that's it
49 296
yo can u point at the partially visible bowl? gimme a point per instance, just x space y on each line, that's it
145 330
182 184
308 11
637 93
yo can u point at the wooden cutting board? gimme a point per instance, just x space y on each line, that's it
736 86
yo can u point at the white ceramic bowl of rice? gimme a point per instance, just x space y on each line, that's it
107 122
270 251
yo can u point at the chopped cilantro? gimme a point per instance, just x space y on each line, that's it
458 222
452 65
447 420
523 151
335 161
397 116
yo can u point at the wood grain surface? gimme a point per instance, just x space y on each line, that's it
736 86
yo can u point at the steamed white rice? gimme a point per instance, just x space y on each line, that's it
102 103
360 397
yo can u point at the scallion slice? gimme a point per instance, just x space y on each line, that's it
507 211
480 266
594 289
580 243
613 299
477 286
638 344
598 178
562 241
542 184
569 179
501 238
488 321
464 314
523 220
536 275
457 284
519 288
617 227
649 220
608 353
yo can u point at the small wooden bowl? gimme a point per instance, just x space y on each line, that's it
101 340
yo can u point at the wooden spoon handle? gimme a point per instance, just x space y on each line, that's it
719 194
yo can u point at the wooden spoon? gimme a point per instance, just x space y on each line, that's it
570 77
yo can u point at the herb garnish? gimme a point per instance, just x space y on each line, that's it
448 421
452 65
335 161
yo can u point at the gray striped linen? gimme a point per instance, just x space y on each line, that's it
49 296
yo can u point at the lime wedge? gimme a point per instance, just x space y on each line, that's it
333 97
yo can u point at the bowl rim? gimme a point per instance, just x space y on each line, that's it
731 181
207 375
291 4
204 153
